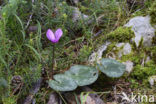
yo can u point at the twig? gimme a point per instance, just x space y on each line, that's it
62 98
115 94
30 18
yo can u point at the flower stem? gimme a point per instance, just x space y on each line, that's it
53 57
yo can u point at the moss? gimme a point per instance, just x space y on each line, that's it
153 50
84 53
112 49
152 13
134 83
109 48
136 58
141 72
9 100
121 34
154 39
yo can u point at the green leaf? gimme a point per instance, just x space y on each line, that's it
83 75
111 68
62 82
34 50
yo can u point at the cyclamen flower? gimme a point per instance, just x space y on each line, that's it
54 38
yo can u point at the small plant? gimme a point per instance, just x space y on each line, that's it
81 75
54 38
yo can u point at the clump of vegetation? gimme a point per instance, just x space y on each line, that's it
143 72
81 75
153 50
152 12
121 34
134 56
84 53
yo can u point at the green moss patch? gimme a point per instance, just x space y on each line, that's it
152 13
141 72
121 34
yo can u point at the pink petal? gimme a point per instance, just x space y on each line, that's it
50 35
58 34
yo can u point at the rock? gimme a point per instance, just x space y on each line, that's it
84 99
125 50
119 45
87 100
96 56
34 101
28 99
35 88
119 50
83 96
53 99
129 66
142 29
92 98
151 80
147 59
70 98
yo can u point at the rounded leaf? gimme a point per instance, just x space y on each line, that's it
83 75
111 68
62 82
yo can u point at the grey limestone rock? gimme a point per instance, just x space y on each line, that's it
142 29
